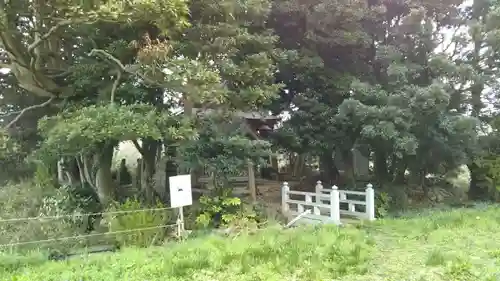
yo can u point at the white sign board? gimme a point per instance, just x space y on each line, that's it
180 191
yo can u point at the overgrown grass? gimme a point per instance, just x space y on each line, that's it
316 253
435 246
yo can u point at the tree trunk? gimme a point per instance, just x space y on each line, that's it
252 186
479 10
418 178
474 190
149 154
104 182
328 169
147 183
400 166
381 166
479 187
424 186
349 174
70 171
297 165
171 169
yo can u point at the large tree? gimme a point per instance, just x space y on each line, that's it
116 76
476 44
381 83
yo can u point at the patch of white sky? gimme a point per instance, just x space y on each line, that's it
447 47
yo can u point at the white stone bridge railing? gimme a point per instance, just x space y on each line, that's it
329 205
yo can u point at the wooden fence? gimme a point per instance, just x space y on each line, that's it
329 205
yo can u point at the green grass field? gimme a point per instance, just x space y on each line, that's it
457 245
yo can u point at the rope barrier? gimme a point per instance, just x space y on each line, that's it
81 215
84 236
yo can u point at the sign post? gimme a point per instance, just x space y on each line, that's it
180 196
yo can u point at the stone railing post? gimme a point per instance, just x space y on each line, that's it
284 198
370 202
318 188
335 205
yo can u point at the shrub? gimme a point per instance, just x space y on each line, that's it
462 270
13 262
24 200
382 204
128 222
75 201
435 258
41 198
223 211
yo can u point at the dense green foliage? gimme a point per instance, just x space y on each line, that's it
399 82
411 86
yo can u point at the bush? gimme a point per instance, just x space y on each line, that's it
74 201
382 204
41 197
126 223
13 262
24 200
224 211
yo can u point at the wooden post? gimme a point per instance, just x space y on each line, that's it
60 171
251 181
284 198
195 176
189 112
119 174
370 202
335 205
136 184
181 218
274 164
180 223
318 189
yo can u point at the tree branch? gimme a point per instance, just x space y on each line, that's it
115 85
22 112
138 147
35 58
109 56
129 70
452 41
49 33
87 172
119 64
